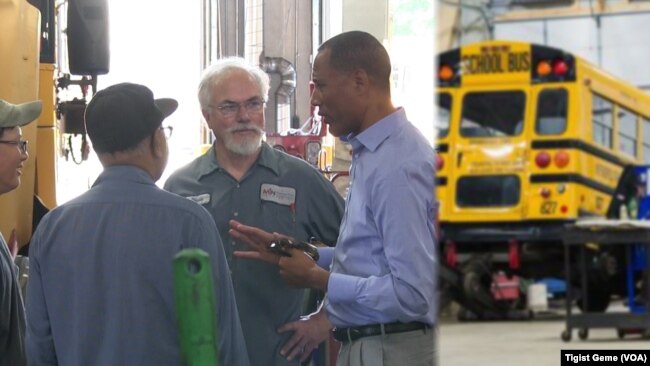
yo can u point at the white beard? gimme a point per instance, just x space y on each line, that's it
246 146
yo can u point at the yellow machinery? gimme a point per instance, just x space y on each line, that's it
23 78
29 71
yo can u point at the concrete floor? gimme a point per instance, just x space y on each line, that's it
534 342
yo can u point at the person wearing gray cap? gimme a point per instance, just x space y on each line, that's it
13 153
101 274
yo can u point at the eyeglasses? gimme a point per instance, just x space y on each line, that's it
230 109
22 145
167 130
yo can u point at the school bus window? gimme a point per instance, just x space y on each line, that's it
627 131
492 114
646 140
601 116
444 114
551 112
488 191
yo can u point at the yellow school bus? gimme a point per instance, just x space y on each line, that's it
530 138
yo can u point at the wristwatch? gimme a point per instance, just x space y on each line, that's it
283 247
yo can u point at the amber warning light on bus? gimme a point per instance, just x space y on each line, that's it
561 159
445 73
448 69
557 67
552 65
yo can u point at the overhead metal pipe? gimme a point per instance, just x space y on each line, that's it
278 65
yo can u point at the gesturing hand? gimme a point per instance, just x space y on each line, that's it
308 333
258 239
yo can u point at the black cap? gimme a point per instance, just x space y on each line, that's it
122 115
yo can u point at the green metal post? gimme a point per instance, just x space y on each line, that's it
195 312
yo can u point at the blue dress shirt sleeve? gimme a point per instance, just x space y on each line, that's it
325 257
402 208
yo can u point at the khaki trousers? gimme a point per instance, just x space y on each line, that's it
415 348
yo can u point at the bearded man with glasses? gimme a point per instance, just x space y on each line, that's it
241 177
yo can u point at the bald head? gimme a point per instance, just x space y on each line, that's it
359 50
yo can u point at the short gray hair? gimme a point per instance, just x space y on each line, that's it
224 66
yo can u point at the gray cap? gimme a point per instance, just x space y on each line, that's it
16 115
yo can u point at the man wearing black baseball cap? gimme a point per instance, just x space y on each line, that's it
13 153
101 265
121 116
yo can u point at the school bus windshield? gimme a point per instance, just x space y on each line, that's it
493 114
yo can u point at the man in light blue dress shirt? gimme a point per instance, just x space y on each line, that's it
381 285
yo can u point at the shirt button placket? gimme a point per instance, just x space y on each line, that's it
235 214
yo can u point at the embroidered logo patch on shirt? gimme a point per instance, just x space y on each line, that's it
201 199
281 195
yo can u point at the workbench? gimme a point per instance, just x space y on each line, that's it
605 233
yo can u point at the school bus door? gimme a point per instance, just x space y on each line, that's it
488 158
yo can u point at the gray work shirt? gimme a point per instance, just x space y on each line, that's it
279 193
101 277
12 312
